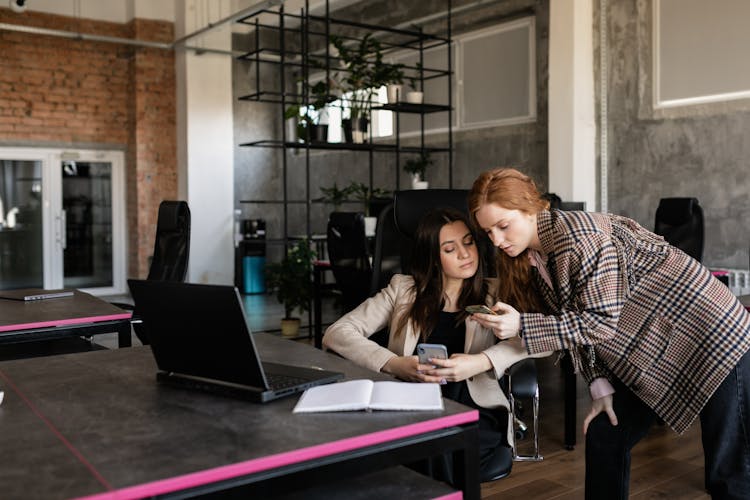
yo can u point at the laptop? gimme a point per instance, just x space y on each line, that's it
29 294
200 339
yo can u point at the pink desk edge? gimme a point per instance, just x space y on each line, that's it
281 459
65 322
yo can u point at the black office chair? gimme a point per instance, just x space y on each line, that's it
521 379
386 259
680 222
349 256
171 253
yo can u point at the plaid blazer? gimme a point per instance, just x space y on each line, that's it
626 301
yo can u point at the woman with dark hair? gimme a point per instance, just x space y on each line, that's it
428 306
651 330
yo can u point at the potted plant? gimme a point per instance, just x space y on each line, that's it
312 119
292 282
358 83
416 94
335 195
363 193
416 167
390 75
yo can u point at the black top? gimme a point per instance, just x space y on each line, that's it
448 333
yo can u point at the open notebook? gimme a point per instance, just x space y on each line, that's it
200 339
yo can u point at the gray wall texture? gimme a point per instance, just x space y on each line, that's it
699 151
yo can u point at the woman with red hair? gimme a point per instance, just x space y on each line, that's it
650 329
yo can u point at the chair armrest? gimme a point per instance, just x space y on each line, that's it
523 377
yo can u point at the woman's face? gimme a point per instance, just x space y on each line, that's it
512 231
459 257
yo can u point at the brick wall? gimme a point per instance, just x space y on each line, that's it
79 93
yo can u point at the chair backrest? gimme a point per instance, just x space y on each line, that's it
572 205
349 256
172 243
680 222
386 260
410 206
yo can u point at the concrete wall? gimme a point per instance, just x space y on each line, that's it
701 150
258 172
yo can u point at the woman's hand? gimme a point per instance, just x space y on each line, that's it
505 323
409 369
459 367
598 406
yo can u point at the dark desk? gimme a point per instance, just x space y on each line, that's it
79 315
98 424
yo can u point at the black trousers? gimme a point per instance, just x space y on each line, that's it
725 431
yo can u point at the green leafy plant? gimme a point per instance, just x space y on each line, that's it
291 278
418 165
415 78
319 98
335 195
363 193
360 78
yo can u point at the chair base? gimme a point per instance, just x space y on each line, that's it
520 426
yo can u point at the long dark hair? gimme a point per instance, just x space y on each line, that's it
428 274
512 190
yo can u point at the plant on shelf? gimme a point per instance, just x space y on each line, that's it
335 195
417 167
363 193
416 94
363 72
292 282
310 127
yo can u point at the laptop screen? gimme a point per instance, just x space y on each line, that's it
198 330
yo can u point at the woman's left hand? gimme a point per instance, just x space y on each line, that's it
505 323
601 405
459 367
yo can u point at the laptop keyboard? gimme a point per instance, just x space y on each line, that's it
279 381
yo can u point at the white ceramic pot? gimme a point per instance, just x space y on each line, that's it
420 185
395 93
414 97
370 225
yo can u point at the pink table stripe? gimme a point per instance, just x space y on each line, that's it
64 322
287 458
456 495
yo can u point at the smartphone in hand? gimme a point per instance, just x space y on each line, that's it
427 351
479 309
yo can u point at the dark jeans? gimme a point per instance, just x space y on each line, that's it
725 422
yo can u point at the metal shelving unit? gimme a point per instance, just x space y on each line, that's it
295 50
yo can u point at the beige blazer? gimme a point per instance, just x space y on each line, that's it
349 337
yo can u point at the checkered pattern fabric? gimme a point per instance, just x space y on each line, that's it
628 303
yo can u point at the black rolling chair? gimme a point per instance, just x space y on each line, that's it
386 259
521 379
171 252
680 222
349 256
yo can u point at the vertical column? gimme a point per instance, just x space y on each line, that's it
205 151
572 124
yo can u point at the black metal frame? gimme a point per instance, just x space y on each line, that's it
461 441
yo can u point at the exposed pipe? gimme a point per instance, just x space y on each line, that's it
74 35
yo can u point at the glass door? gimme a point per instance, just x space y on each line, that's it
64 220
21 232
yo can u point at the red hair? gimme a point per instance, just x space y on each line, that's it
512 190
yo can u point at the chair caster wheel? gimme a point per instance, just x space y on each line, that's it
520 435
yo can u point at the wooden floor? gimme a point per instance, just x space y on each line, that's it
664 465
